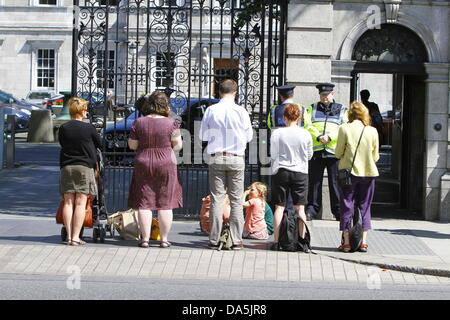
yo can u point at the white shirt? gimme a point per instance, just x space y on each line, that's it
291 148
288 101
226 127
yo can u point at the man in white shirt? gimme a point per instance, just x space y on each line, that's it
227 128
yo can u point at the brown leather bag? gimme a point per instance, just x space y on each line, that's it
88 219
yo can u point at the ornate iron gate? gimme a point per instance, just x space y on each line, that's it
124 49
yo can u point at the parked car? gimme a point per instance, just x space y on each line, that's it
11 101
54 103
96 105
22 119
116 135
38 98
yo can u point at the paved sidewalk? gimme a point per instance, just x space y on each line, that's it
29 240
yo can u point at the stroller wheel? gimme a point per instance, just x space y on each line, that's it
102 235
95 234
63 234
110 228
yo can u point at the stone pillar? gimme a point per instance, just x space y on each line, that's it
309 48
436 176
40 127
445 180
309 53
341 75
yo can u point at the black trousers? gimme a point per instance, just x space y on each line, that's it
316 169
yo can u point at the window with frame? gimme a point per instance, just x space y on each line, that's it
228 4
48 2
46 63
101 70
111 2
165 69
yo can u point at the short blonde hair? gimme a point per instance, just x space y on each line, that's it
358 111
77 106
261 187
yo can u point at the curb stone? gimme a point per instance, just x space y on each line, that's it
397 267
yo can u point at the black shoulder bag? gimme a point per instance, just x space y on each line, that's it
344 175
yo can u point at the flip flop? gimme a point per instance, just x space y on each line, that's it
143 244
165 244
77 243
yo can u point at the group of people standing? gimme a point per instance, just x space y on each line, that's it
304 141
327 136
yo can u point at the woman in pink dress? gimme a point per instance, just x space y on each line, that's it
155 184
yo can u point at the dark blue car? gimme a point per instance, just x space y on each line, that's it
116 135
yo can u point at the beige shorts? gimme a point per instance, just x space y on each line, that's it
78 179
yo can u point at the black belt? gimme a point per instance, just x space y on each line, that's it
226 154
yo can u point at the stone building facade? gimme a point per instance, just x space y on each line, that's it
321 41
35 45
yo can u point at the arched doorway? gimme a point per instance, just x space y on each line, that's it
390 64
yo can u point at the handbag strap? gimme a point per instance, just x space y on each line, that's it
359 141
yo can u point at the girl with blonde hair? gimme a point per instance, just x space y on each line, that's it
255 226
363 171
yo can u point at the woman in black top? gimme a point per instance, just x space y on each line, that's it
78 158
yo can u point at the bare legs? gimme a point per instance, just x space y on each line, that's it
278 216
300 210
347 237
68 208
74 210
145 224
165 218
364 237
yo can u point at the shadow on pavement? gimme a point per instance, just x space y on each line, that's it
417 233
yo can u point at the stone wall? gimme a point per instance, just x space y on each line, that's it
321 37
24 29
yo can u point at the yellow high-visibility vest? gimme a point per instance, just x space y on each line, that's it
318 122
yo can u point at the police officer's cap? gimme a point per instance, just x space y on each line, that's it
287 90
325 88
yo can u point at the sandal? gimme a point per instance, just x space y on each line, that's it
76 243
165 244
143 244
363 248
344 248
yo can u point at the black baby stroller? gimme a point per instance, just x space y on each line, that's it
99 212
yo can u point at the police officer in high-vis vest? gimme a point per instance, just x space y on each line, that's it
275 116
322 120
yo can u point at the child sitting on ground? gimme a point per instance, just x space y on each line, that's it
204 212
255 226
